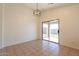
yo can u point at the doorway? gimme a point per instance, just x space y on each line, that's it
51 31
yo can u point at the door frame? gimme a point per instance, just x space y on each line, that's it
48 30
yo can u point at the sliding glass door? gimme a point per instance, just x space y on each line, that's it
45 31
51 30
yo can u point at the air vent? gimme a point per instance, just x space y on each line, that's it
50 3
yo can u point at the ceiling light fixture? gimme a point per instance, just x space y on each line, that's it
37 11
50 3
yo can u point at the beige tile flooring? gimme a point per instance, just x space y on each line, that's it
39 48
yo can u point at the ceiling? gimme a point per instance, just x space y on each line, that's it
45 6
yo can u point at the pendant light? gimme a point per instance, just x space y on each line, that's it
37 11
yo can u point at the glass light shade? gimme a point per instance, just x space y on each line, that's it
37 12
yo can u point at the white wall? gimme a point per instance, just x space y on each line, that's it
69 23
0 26
19 24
